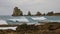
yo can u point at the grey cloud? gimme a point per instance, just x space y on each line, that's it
44 6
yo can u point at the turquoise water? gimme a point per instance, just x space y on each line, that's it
29 17
48 18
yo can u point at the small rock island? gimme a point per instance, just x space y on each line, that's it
18 12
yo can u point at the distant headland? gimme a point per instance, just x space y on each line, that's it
18 12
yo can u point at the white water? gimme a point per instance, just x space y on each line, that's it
6 28
2 22
23 19
38 18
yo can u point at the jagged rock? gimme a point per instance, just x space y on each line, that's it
50 14
38 14
29 13
17 12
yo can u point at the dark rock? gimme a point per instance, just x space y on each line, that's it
29 13
38 14
17 12
50 14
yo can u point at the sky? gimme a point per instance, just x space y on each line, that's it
43 6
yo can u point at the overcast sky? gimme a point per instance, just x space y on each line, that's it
44 6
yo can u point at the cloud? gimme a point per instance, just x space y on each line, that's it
6 6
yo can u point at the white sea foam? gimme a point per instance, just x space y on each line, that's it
19 20
3 22
6 28
38 18
13 20
22 20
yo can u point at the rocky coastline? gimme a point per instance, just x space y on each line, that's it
47 28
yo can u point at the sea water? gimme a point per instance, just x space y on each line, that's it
27 19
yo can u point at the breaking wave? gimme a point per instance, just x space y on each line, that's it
3 22
38 18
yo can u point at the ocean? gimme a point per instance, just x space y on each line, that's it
28 19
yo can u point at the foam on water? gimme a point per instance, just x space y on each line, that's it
12 20
22 19
3 22
6 28
38 18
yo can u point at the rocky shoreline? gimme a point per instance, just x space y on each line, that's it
47 28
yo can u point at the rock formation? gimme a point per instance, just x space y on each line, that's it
56 14
50 14
38 14
29 13
17 12
47 28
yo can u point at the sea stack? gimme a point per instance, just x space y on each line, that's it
38 14
29 13
17 12
50 13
